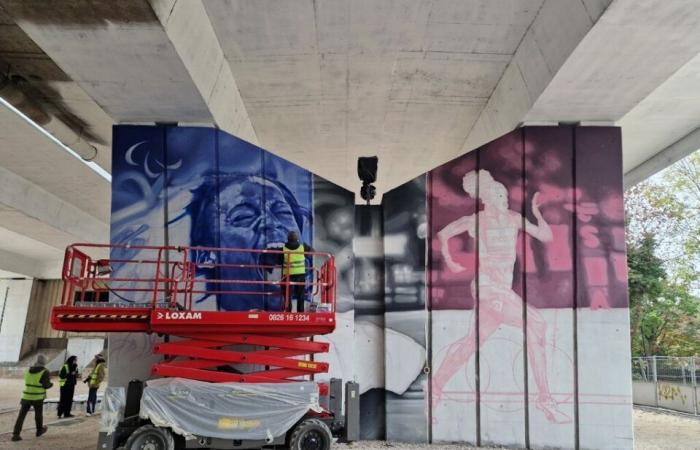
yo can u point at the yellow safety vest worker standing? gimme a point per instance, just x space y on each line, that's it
95 376
36 382
294 261
62 380
33 389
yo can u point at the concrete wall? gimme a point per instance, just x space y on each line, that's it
644 393
483 302
674 396
85 349
45 295
14 304
526 283
677 397
198 186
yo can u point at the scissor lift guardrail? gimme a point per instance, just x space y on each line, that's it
156 289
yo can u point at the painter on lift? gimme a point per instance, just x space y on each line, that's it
293 264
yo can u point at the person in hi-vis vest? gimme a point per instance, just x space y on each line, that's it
67 378
36 382
294 265
97 375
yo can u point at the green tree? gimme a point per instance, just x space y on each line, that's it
663 312
663 245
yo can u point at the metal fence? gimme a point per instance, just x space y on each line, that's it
668 382
672 369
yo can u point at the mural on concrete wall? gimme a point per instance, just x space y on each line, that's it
199 186
521 243
503 278
333 211
368 247
213 190
601 277
405 337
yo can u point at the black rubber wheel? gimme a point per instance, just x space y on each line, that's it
149 437
311 434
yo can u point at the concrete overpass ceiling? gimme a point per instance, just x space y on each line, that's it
669 113
321 82
28 247
118 53
327 81
33 156
33 82
48 199
638 67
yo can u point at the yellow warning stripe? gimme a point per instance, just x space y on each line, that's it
102 316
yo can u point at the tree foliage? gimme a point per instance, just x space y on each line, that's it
663 246
663 312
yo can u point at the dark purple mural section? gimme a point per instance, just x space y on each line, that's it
448 202
521 231
524 183
549 264
600 216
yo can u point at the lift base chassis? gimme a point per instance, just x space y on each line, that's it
343 423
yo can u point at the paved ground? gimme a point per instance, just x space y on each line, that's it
653 430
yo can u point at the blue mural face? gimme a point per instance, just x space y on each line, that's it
216 191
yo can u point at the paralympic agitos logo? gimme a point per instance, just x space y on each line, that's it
179 315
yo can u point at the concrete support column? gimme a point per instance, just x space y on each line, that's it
14 303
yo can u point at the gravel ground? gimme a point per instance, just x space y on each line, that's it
11 391
653 429
659 429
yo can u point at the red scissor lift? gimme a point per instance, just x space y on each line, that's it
156 290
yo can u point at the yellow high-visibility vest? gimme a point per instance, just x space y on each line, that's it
293 261
93 375
33 389
61 380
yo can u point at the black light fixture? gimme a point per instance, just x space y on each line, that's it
367 171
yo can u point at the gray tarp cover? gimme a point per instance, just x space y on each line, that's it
113 410
227 410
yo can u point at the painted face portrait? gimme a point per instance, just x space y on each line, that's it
255 214
252 213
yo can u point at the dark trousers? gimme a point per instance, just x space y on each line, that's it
65 402
92 400
38 406
297 291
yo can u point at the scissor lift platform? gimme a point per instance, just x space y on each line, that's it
164 284
167 321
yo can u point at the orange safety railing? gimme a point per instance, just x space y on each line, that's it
176 277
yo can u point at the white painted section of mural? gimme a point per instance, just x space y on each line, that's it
454 407
340 356
552 425
605 387
14 303
603 382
